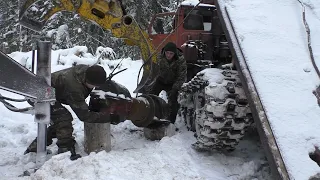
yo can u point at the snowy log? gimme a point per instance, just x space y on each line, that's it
97 137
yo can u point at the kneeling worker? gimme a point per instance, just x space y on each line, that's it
72 87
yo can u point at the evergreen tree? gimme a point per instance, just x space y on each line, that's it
66 30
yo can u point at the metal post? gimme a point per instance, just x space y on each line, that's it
42 109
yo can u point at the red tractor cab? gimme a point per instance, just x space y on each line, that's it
196 31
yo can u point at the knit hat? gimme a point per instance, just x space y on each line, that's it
170 46
95 75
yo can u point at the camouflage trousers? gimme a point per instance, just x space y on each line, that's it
172 98
60 127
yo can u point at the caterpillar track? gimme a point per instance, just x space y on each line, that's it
214 105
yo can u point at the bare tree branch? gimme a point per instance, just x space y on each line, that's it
306 25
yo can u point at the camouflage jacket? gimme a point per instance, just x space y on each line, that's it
70 89
172 72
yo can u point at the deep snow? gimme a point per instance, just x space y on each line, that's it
273 39
132 156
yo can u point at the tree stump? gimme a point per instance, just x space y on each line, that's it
97 137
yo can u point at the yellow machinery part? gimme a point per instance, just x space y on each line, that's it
110 16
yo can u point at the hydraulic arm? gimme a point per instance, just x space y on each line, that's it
109 14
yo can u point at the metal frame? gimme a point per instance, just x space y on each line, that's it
267 138
17 79
42 109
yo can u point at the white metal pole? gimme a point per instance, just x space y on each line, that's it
42 109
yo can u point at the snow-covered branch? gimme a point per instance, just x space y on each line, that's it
305 22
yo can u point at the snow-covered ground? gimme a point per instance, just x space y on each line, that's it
132 156
273 38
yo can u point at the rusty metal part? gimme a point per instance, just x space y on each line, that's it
162 110
142 111
146 110
115 99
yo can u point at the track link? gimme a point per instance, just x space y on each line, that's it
214 105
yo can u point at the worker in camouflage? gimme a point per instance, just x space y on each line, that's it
72 87
173 73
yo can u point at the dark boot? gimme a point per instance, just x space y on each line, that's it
72 149
74 155
68 146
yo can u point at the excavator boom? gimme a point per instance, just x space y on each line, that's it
108 14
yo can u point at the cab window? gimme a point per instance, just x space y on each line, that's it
197 19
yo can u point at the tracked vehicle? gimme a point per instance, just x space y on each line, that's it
213 102
219 101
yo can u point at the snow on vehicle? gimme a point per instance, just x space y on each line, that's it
220 100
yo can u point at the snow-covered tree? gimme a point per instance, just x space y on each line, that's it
66 30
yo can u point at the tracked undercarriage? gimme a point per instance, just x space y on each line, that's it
213 104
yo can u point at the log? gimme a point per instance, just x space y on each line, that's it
97 137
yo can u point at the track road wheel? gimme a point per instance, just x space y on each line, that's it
220 110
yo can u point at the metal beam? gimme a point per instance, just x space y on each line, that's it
18 79
267 138
42 109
